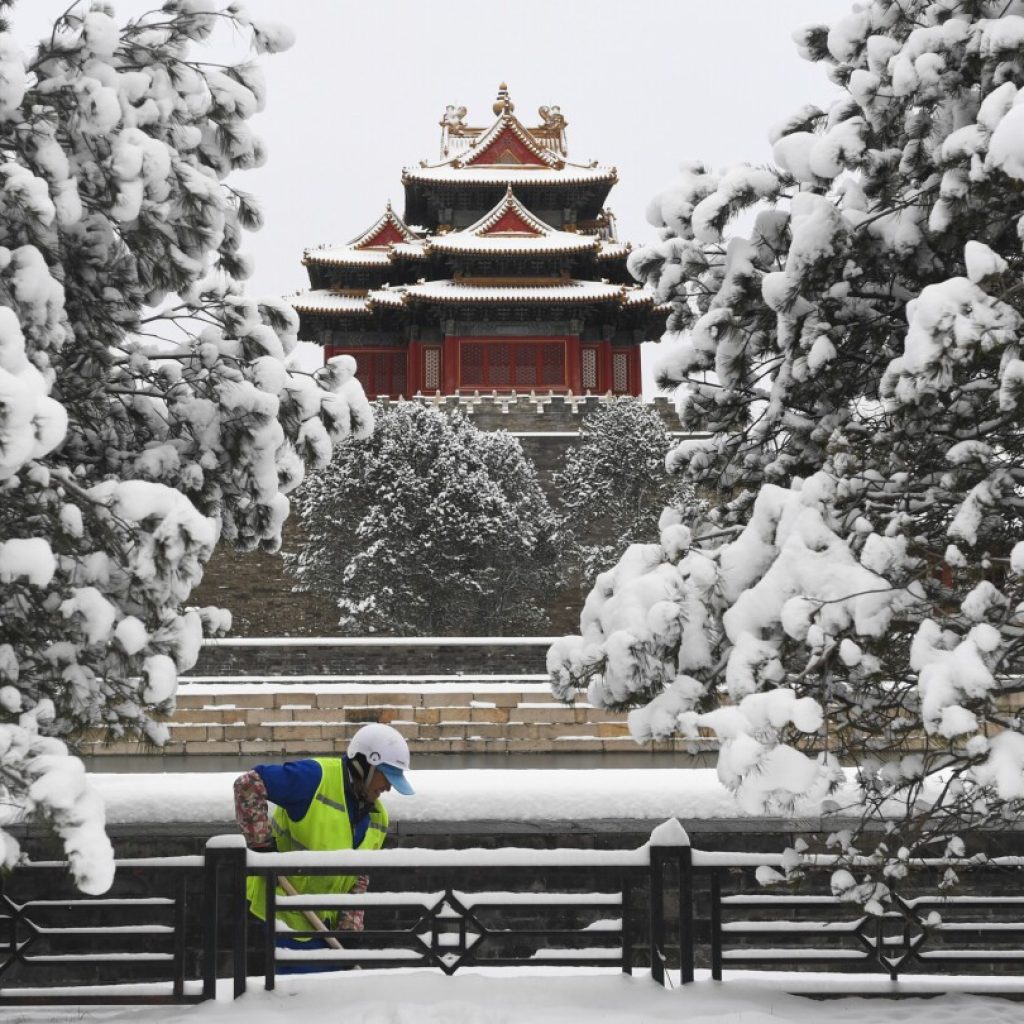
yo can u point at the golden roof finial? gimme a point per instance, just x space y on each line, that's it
503 105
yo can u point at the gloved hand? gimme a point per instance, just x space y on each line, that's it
351 920
251 813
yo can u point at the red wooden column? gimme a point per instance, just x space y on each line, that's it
414 368
573 370
635 384
449 366
606 375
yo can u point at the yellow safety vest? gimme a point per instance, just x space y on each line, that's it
325 826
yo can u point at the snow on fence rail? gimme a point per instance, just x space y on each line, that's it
179 922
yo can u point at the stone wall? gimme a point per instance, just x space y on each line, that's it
258 592
374 656
535 413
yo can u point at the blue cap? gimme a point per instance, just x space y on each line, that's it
397 778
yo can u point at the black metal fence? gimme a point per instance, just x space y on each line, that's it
915 934
136 947
177 924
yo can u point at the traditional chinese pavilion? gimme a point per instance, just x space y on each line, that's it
504 274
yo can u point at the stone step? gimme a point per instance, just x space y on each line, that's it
186 701
254 722
256 750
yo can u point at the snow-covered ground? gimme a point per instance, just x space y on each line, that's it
537 997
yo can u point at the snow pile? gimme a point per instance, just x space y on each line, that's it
633 794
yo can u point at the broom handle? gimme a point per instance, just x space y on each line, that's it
310 915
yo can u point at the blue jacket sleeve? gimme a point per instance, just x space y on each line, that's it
291 785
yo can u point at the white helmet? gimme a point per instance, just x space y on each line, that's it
385 751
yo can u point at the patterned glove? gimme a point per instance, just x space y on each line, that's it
252 814
352 920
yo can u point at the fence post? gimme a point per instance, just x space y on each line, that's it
686 900
225 855
627 924
180 935
669 842
208 913
657 915
716 924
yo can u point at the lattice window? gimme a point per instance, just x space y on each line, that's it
620 373
380 372
552 365
432 369
526 366
381 376
472 365
588 369
499 365
399 362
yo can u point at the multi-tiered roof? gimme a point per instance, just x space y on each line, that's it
512 277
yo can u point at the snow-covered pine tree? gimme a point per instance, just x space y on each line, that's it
855 596
612 486
146 410
430 527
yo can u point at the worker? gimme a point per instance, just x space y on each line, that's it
323 803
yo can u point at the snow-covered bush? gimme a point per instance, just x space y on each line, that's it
854 598
430 527
612 485
146 410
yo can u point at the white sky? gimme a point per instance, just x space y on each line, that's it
644 85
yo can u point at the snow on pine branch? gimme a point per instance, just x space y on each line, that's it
850 361
147 409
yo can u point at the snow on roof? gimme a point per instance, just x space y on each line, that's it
375 247
345 255
410 250
563 291
637 295
386 297
510 174
508 123
613 250
322 300
387 225
507 152
511 228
